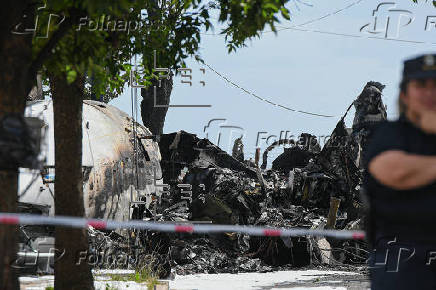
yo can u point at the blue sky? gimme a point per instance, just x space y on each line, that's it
306 70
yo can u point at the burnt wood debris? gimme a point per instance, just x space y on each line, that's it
307 186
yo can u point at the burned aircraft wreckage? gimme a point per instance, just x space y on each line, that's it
116 180
307 186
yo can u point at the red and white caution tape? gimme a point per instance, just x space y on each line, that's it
75 222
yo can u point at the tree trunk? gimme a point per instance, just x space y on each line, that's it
153 117
36 93
15 85
67 108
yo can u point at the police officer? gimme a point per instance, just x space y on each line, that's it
400 184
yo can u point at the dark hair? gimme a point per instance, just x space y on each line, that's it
403 89
403 86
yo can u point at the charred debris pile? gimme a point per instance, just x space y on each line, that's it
307 186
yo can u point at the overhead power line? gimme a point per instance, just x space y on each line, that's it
299 27
330 14
356 35
310 21
257 96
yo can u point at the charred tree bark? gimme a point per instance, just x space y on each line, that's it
153 112
70 271
15 85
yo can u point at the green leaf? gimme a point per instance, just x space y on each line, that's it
285 13
271 6
71 76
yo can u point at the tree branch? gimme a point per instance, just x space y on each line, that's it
45 51
74 14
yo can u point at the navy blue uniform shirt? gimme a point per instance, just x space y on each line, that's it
406 214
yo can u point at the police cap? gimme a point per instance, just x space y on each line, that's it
421 67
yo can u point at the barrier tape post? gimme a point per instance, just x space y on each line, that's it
76 222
